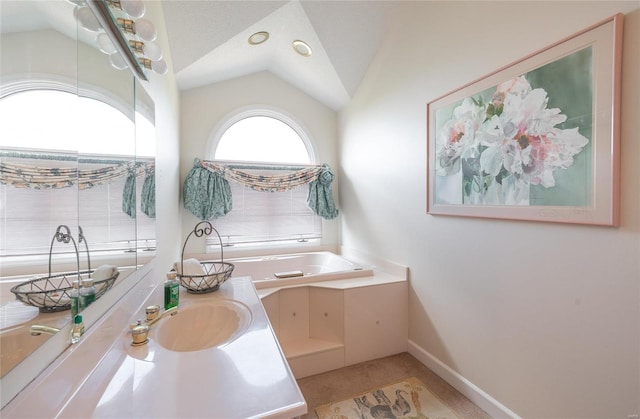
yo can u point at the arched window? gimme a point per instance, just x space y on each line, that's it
262 139
265 141
264 135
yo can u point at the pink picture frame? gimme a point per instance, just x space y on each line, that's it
536 140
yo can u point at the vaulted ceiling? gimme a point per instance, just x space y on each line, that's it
209 39
209 42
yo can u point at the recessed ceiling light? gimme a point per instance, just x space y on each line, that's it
302 48
258 38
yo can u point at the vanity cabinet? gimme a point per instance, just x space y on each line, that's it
322 327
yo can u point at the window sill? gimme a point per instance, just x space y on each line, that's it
30 265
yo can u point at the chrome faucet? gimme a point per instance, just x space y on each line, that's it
37 330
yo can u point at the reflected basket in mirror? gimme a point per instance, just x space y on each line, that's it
51 293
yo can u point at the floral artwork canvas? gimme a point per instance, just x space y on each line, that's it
536 140
508 144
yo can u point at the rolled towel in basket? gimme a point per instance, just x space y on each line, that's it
192 267
104 272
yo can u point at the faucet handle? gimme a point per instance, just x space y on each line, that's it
152 312
139 333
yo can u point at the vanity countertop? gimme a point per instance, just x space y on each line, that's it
246 378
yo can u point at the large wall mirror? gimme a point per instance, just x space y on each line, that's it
77 147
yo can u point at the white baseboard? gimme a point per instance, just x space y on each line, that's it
464 386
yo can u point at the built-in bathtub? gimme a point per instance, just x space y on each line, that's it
297 268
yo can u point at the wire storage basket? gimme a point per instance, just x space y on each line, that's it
52 293
215 273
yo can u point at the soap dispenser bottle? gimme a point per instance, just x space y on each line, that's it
171 291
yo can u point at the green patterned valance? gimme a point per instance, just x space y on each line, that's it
148 195
206 192
25 176
320 197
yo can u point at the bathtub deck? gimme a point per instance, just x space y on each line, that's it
368 279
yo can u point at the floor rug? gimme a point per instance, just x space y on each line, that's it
407 399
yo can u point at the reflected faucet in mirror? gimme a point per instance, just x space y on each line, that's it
37 330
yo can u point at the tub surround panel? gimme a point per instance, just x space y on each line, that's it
328 324
314 361
376 321
327 310
294 313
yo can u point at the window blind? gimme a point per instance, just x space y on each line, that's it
29 218
262 217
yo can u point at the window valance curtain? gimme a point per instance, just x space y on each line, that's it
207 194
27 176
32 177
148 194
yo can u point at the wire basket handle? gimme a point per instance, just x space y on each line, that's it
203 228
63 235
81 239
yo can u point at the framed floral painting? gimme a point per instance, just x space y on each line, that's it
535 140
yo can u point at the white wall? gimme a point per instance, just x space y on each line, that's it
164 91
543 317
203 108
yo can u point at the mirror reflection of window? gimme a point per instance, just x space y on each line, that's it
57 120
52 125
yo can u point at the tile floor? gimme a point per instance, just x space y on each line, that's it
349 381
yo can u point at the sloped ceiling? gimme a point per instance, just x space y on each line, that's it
209 42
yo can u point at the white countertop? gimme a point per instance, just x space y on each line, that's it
246 378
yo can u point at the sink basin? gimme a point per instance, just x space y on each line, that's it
202 325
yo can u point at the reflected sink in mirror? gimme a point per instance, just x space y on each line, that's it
202 325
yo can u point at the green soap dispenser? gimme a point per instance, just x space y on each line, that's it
171 291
